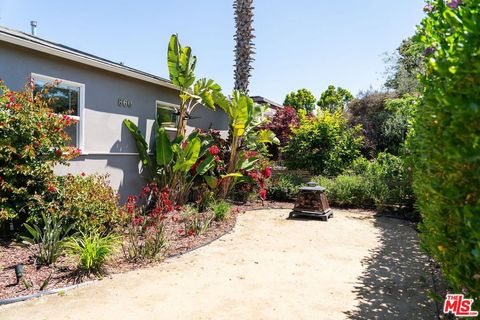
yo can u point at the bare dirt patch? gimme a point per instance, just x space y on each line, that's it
269 267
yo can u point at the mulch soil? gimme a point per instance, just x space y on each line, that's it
65 272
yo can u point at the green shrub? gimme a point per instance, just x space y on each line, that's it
284 187
88 202
220 209
445 142
49 239
323 144
346 190
382 183
389 182
92 249
32 142
386 119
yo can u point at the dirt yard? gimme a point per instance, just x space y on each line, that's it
354 266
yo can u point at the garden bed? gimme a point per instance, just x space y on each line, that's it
65 272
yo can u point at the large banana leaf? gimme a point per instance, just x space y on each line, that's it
266 136
241 111
163 148
192 152
223 102
142 145
187 157
181 63
206 165
204 90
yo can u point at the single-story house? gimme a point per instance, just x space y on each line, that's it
101 94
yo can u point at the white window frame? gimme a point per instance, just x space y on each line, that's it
80 143
175 107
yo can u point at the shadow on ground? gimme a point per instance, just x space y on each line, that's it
396 280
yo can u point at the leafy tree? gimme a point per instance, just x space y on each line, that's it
243 43
334 99
385 120
302 99
323 144
405 67
445 141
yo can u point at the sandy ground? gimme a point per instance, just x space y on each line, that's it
354 266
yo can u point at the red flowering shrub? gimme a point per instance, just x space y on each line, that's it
253 184
146 222
214 150
32 142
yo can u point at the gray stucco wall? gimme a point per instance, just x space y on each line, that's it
108 146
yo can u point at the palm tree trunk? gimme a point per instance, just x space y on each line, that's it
243 43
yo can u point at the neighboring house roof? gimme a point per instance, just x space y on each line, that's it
35 43
262 100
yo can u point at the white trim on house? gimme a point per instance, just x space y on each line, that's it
81 112
38 44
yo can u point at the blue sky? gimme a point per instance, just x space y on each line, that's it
301 43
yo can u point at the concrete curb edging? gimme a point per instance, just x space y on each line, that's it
44 293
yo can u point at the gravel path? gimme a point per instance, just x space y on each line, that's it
354 266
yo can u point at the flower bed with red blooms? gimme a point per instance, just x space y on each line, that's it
254 183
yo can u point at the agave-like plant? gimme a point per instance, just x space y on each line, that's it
49 239
243 43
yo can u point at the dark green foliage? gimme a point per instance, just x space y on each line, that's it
446 141
323 144
334 99
385 120
303 99
284 187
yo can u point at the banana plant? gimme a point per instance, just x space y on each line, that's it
181 68
244 116
172 161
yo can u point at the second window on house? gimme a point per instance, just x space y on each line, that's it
167 115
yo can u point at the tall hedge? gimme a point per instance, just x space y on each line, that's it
446 140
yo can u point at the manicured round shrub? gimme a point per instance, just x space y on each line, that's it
446 141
